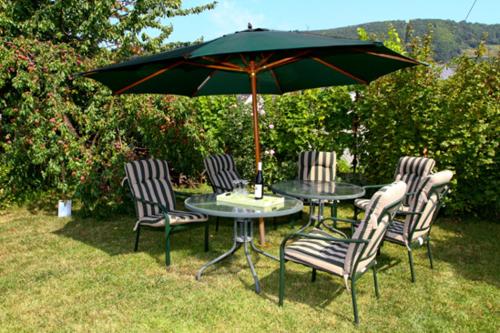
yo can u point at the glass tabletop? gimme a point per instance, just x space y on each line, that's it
306 189
207 204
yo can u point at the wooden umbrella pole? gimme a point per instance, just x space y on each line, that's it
255 118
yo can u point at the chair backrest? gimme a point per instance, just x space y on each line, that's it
412 170
378 215
221 171
317 165
429 199
150 180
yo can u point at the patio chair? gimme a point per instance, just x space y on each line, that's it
348 258
221 171
411 170
151 189
414 231
317 166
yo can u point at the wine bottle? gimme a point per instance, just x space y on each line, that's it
259 182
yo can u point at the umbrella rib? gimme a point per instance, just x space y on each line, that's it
340 70
224 62
209 76
224 68
388 56
264 59
276 81
283 61
118 92
243 59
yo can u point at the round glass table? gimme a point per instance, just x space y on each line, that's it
319 191
243 224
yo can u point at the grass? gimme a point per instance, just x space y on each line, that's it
75 274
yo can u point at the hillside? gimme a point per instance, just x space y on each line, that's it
450 38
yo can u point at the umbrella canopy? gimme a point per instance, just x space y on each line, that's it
254 61
282 61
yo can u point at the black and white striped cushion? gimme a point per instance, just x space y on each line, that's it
221 171
343 258
317 166
325 255
412 170
150 180
175 217
395 232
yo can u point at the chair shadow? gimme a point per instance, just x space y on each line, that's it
115 236
300 289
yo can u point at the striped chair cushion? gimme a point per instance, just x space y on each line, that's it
221 171
175 217
325 255
340 258
362 203
427 203
317 165
150 180
412 170
372 228
395 232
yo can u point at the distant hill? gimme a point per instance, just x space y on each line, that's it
450 38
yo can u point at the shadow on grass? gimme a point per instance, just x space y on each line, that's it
116 236
471 247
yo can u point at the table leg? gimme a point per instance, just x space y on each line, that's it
242 235
236 246
250 264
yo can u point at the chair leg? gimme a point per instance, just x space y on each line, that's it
167 244
354 303
217 224
412 270
281 291
313 275
206 236
375 281
136 246
429 252
356 212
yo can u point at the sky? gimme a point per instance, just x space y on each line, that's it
233 15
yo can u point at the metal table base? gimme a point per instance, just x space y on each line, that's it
243 235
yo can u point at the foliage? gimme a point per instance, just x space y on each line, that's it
87 26
67 137
455 121
450 39
64 135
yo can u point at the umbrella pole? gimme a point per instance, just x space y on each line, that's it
255 118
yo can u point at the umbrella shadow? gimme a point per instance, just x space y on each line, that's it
470 247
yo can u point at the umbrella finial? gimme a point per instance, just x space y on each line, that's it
249 26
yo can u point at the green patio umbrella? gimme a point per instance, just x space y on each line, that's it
253 61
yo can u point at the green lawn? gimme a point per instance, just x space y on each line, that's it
77 274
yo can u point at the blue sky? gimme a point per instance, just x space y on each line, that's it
233 15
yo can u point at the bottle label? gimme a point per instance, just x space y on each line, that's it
258 191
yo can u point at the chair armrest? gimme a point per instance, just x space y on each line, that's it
336 231
367 187
125 179
162 208
333 239
335 219
402 212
